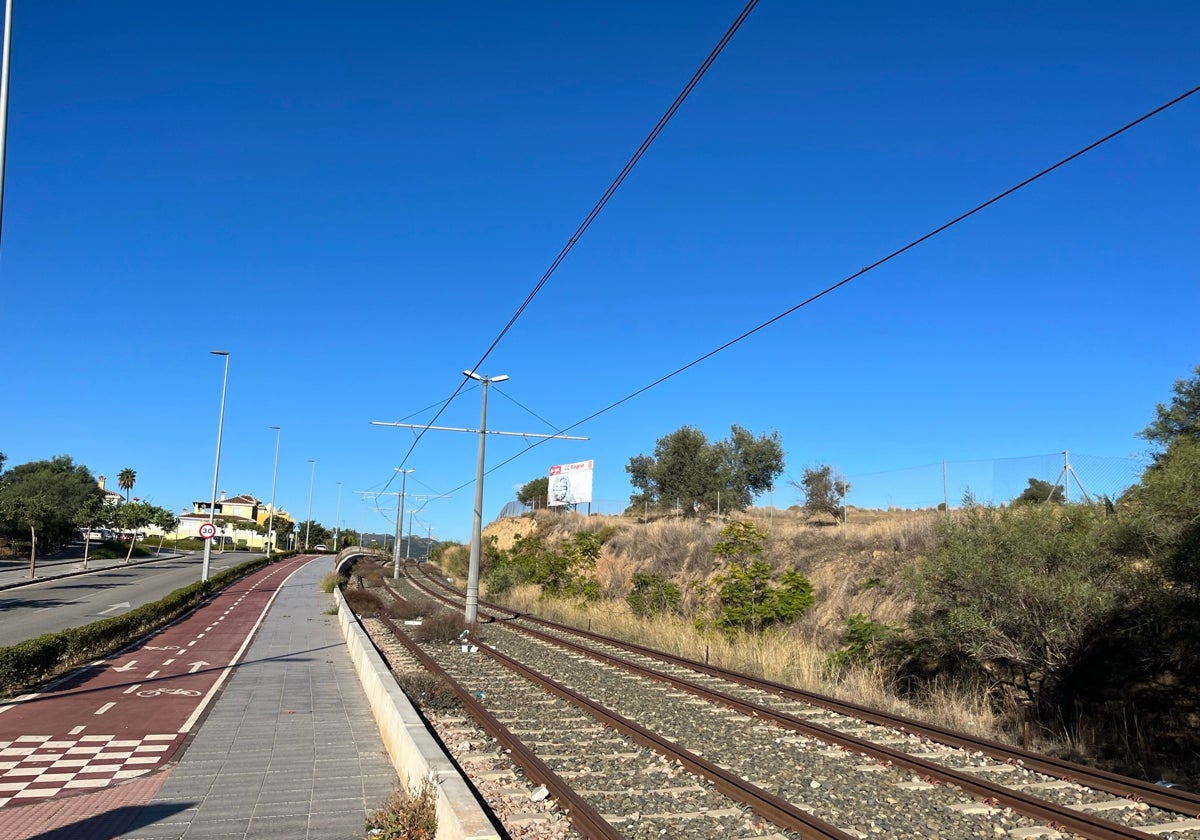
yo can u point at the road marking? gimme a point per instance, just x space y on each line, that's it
104 708
167 662
132 688
201 636
122 606
152 675
77 730
196 666
192 642
127 666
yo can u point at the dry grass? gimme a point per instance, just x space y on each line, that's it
857 568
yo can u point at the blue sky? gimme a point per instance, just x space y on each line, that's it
354 200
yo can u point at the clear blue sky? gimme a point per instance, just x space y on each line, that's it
354 199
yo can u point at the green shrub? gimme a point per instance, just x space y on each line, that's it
26 664
652 595
863 642
749 601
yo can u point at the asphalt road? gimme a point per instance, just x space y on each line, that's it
53 605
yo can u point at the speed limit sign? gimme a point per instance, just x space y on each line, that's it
208 531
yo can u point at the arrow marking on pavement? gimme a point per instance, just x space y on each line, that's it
128 666
196 666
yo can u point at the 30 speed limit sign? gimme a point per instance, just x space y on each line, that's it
208 531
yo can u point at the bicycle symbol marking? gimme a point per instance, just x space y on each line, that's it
181 692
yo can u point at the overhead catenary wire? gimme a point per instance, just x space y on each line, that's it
595 211
865 269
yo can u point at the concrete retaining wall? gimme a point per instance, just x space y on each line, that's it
415 753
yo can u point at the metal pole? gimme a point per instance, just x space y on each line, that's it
308 522
8 15
212 504
399 524
274 477
408 539
337 519
471 616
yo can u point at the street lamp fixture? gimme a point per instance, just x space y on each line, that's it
399 523
308 523
212 503
472 611
274 476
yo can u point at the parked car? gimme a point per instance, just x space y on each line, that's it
321 547
94 535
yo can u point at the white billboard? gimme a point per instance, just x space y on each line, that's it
570 484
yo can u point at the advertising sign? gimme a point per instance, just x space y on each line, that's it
570 484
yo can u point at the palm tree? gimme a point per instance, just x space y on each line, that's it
126 479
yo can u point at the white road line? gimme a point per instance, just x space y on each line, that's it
77 730
167 662
131 689
104 708
152 675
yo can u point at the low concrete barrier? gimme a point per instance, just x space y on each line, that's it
414 752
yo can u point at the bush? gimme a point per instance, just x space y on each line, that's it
28 663
652 595
442 626
364 603
331 581
406 815
749 601
863 641
429 692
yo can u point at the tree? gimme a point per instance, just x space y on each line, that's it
748 599
1039 492
131 517
94 512
1179 420
44 497
166 521
534 493
823 493
315 532
126 479
687 470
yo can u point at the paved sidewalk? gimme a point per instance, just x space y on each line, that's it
289 750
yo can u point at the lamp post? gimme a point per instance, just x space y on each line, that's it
399 524
308 523
337 519
274 476
472 612
212 504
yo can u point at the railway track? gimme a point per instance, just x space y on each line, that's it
661 746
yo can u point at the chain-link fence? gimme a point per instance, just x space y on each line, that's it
995 480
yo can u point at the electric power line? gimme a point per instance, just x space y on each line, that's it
599 206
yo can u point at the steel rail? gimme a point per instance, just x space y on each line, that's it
1172 799
767 805
586 819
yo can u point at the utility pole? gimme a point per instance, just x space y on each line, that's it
471 613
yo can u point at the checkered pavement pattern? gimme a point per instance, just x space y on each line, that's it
36 767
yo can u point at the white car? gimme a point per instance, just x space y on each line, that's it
92 535
320 548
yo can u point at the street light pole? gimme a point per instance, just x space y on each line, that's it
399 524
274 476
212 504
472 612
308 523
337 518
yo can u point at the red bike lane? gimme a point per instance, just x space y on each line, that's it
124 717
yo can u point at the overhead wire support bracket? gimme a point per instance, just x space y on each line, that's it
476 431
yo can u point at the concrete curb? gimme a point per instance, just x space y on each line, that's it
414 752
